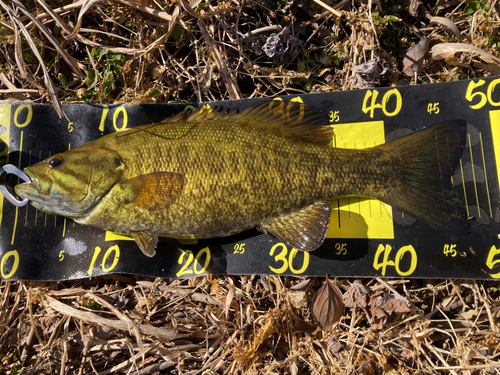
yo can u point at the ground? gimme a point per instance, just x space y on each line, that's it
144 51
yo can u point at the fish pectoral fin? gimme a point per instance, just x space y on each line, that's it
147 241
154 190
305 229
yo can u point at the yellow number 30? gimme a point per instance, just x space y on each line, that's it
288 261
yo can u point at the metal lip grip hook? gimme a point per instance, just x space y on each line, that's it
11 169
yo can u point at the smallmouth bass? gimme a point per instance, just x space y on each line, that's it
211 174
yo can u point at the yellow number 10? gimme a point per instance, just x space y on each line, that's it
97 251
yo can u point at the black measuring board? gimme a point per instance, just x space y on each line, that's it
365 237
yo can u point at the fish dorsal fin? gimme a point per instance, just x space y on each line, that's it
154 190
204 113
147 241
305 229
306 122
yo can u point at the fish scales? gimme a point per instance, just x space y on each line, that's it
206 154
209 174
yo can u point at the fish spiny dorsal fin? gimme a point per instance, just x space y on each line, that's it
201 114
306 122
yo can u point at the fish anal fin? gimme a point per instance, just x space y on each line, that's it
305 229
154 190
146 241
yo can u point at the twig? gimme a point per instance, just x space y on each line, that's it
229 82
328 7
48 83
113 323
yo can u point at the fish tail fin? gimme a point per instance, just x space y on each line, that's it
424 163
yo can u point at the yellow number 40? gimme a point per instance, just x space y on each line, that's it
386 250
370 102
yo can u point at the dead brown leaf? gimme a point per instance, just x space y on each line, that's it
382 306
327 305
357 297
448 24
334 346
445 50
412 62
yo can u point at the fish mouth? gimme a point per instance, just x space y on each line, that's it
34 188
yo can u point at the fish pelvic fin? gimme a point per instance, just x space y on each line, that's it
305 229
147 242
424 162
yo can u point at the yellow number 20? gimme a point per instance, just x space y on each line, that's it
186 269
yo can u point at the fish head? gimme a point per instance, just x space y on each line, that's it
73 182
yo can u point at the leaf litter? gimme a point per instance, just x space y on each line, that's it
145 51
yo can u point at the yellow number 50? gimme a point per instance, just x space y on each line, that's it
492 263
481 96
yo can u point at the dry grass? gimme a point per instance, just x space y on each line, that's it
138 51
247 324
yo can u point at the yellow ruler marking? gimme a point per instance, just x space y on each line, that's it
64 225
17 208
465 192
36 211
114 236
27 206
485 174
474 177
495 135
5 111
361 223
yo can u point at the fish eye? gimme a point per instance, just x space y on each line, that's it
55 162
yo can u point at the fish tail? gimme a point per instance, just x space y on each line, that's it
424 162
